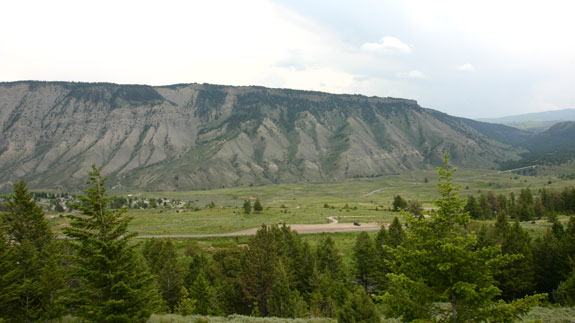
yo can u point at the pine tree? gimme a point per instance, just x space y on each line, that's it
358 307
284 300
472 207
441 262
186 306
396 234
25 220
258 206
9 285
565 292
399 203
548 262
328 259
516 279
202 294
163 263
247 207
112 284
364 256
33 259
325 295
414 207
258 267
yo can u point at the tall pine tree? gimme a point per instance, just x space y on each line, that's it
440 262
32 258
111 283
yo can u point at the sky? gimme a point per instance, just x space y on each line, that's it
475 59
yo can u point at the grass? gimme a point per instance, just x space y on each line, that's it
551 314
349 201
548 314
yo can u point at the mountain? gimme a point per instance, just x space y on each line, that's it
199 136
553 146
535 122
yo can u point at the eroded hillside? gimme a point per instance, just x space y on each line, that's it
204 136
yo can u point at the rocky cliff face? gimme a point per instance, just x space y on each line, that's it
205 136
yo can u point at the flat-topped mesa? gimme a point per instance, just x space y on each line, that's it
194 136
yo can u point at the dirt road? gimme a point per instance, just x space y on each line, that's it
333 226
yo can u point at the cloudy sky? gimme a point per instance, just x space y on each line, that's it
467 58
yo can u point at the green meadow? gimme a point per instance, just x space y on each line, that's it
355 200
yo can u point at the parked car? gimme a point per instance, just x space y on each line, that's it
357 224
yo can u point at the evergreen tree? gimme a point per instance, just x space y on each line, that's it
493 203
501 228
258 268
163 263
364 256
484 206
25 220
258 206
440 262
285 301
568 248
328 259
33 261
399 203
414 207
226 270
247 207
203 295
396 234
472 207
358 307
538 208
565 292
111 283
381 259
186 306
516 279
326 294
547 261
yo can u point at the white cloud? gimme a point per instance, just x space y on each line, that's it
466 68
387 44
415 74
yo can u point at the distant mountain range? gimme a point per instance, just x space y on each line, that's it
200 136
536 122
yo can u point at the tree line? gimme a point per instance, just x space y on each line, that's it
437 268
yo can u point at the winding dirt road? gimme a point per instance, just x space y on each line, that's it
333 226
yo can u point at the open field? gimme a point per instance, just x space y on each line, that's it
348 201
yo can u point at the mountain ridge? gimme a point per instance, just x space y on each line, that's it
195 136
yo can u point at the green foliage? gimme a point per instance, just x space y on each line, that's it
111 283
399 203
187 305
247 207
284 300
364 261
516 278
565 292
328 259
163 263
30 268
472 208
203 295
441 262
548 262
414 207
25 220
358 307
258 206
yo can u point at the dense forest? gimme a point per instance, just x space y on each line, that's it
441 266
